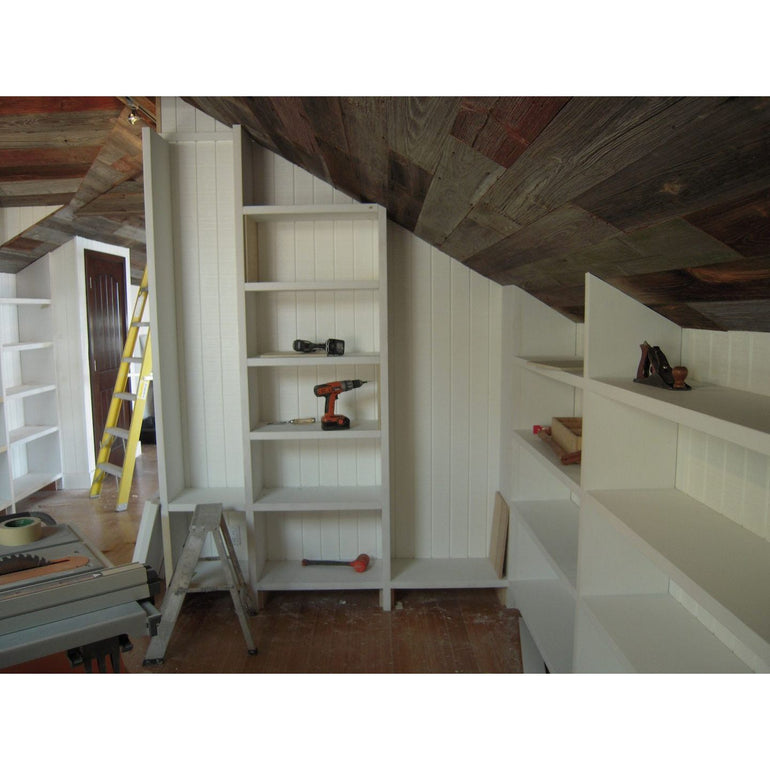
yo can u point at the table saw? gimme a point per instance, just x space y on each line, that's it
60 593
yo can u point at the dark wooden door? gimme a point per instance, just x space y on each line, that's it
106 307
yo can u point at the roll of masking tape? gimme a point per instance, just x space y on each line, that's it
21 531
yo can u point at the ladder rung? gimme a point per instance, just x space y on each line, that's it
118 432
142 324
125 396
132 359
111 468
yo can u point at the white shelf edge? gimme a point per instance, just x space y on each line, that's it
232 498
20 347
726 413
28 433
310 359
341 211
39 301
365 429
566 474
28 389
347 285
287 499
444 573
292 576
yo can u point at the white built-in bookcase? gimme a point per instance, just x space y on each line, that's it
248 253
314 272
30 452
652 555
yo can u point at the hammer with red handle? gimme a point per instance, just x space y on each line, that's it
359 564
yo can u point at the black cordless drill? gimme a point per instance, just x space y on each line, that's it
330 391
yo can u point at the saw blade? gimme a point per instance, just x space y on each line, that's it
21 561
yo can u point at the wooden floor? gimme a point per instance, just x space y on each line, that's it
450 631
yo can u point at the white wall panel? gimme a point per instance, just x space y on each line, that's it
202 183
15 220
724 476
445 350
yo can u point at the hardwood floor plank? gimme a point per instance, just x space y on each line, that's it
332 632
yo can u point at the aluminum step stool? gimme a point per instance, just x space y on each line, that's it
207 519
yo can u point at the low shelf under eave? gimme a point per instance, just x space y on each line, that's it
444 573
331 498
539 449
734 415
290 575
654 633
663 522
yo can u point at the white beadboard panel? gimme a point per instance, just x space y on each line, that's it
730 479
444 355
177 116
204 237
323 535
15 220
312 463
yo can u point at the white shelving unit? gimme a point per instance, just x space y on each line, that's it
632 573
30 453
313 272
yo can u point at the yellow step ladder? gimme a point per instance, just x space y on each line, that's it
131 355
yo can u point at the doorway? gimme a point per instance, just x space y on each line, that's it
106 310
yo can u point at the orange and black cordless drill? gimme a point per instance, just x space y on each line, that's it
330 391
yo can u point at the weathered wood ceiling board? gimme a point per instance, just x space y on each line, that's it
82 154
666 198
643 192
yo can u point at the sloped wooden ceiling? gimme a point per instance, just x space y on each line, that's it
666 198
83 155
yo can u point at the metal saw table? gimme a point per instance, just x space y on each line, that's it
87 611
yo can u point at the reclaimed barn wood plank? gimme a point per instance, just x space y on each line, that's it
502 128
408 187
418 127
739 315
744 224
462 177
719 156
41 163
743 279
468 238
588 141
557 234
364 122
